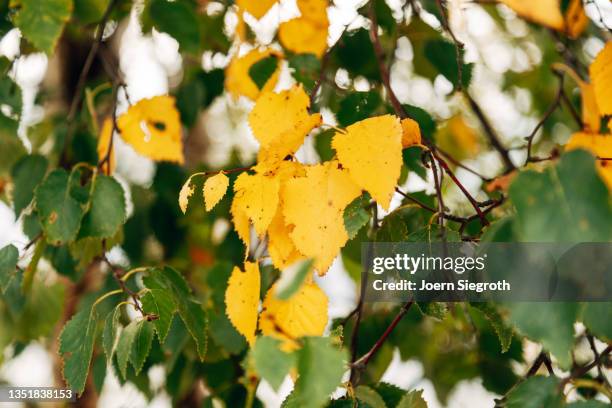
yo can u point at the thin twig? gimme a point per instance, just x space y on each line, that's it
486 125
551 109
80 87
359 308
541 359
363 361
457 163
118 273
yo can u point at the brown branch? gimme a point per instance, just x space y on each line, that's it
363 361
466 193
490 132
441 208
579 372
572 110
551 109
78 93
541 359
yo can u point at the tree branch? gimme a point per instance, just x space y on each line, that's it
365 359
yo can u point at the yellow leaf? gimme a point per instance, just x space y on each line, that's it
153 128
104 141
314 205
544 12
237 79
411 133
241 224
280 122
280 246
257 8
307 33
548 13
303 314
214 190
257 197
242 299
371 150
600 146
184 194
590 108
575 19
601 77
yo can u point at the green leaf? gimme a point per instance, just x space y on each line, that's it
107 211
355 53
109 334
305 69
196 322
76 347
90 11
369 396
566 203
317 381
357 106
270 361
391 394
189 310
292 278
384 15
141 346
159 303
261 71
411 157
356 215
10 92
178 19
125 344
9 255
443 55
597 317
436 310
503 331
59 213
42 22
190 99
412 399
535 392
12 147
27 174
551 324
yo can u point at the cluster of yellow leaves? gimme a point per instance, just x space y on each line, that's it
300 208
151 126
596 102
306 34
214 189
549 14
